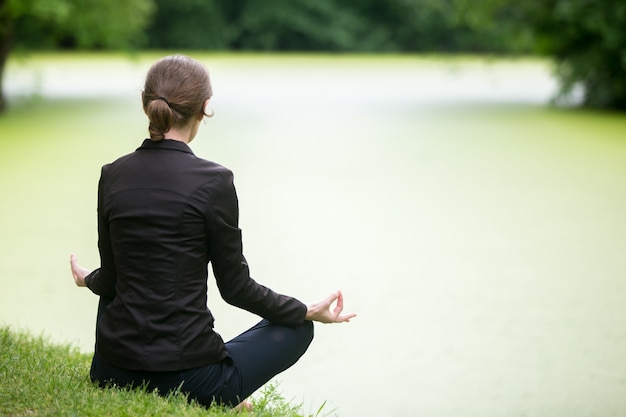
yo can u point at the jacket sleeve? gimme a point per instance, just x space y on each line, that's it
230 267
102 280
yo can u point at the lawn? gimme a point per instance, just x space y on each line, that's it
39 378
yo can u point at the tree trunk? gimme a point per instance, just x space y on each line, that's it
6 41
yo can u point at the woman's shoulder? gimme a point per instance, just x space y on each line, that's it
214 167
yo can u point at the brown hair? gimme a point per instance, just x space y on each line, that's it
174 93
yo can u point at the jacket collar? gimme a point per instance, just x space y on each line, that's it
165 144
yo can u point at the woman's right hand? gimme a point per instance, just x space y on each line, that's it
321 311
78 272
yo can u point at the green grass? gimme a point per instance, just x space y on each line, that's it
39 378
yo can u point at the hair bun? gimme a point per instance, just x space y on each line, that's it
161 118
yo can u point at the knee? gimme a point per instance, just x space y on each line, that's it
306 330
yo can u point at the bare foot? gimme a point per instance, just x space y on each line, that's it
244 406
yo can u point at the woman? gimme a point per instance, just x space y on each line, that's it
163 215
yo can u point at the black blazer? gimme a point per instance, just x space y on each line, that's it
163 215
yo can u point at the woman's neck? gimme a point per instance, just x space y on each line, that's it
183 133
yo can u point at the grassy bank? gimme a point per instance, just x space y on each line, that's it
38 378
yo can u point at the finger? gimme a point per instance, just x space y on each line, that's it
339 306
74 265
331 298
345 318
78 272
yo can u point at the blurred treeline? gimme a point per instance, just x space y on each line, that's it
301 25
587 38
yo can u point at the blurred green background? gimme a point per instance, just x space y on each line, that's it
585 38
411 153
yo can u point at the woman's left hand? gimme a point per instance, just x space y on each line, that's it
78 272
323 311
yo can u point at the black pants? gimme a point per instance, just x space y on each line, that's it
255 357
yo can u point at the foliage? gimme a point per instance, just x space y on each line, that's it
323 25
79 23
296 25
585 37
38 378
588 39
190 24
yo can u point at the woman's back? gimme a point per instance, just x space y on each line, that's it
156 206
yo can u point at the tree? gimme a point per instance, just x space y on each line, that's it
586 38
189 24
321 25
86 23
299 25
350 26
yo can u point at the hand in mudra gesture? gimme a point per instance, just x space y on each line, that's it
324 311
78 272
